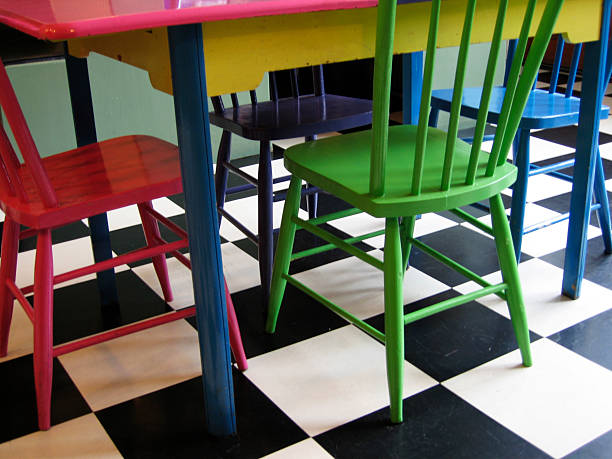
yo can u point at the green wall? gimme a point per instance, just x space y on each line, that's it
125 102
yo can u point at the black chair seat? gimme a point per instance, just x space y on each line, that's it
294 117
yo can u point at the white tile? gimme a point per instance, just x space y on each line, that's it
129 216
606 125
542 241
539 149
559 404
605 150
543 187
533 214
331 379
241 270
547 310
135 364
83 437
180 281
286 143
20 334
550 239
359 287
278 170
245 210
306 449
67 256
363 223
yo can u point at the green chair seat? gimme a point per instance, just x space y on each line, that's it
341 166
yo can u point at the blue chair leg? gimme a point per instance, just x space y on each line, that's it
519 189
265 223
603 213
221 172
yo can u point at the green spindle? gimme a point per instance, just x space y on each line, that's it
495 159
530 71
421 138
487 89
455 111
382 91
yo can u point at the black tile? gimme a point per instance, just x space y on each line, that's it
607 164
327 204
18 398
599 448
171 423
125 240
305 240
477 210
437 424
454 341
300 318
470 248
591 338
77 311
598 264
567 136
561 203
65 233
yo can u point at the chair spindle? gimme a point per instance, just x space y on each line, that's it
451 139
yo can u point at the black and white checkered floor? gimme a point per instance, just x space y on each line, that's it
317 387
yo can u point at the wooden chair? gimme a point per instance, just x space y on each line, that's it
546 108
399 172
300 115
46 193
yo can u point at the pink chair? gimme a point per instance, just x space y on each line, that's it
45 193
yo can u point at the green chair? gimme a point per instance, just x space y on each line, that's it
400 172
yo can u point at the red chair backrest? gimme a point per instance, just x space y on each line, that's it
11 183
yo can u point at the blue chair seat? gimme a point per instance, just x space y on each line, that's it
543 110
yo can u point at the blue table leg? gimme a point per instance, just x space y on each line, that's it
412 83
85 130
191 108
586 147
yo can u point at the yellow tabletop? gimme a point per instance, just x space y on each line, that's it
238 52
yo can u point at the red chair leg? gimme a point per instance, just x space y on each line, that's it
8 268
234 333
152 235
43 327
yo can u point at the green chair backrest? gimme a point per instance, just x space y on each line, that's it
521 77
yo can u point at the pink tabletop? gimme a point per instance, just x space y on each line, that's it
61 19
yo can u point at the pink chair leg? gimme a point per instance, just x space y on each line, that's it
43 327
234 333
8 268
151 230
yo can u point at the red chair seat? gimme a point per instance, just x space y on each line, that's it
97 178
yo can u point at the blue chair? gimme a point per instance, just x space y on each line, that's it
546 108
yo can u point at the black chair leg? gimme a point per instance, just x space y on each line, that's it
221 172
265 222
312 200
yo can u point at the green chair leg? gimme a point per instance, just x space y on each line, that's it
283 252
394 316
406 232
507 262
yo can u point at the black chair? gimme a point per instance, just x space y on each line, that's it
297 115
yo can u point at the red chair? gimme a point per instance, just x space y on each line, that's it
45 193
